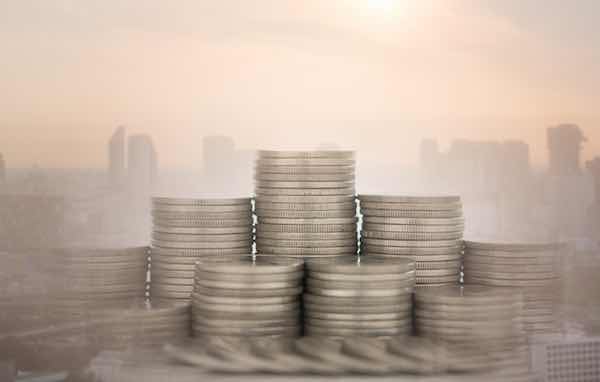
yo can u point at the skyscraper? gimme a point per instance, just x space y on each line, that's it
116 158
142 163
593 167
564 144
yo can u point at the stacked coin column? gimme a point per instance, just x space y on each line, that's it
305 203
426 229
352 296
247 297
484 318
91 280
188 229
531 269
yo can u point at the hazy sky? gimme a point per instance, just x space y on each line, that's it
374 75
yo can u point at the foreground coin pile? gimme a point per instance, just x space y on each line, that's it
351 296
90 280
247 296
188 229
305 203
426 229
530 269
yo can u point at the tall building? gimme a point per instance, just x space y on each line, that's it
142 163
593 167
564 144
116 159
2 169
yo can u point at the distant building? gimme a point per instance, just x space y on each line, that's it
564 144
116 159
2 169
593 167
142 163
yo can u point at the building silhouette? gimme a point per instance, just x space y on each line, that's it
2 169
116 159
142 163
564 145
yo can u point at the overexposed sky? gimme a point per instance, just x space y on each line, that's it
373 75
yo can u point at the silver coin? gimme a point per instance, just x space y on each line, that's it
164 280
405 308
484 261
438 274
418 222
204 230
433 265
305 184
248 277
299 201
282 214
412 236
305 169
165 218
357 265
320 285
189 274
250 265
208 223
310 162
306 236
418 259
540 256
165 254
234 237
470 279
306 154
209 209
159 293
412 228
208 299
336 317
411 206
167 261
403 214
256 331
347 205
514 247
245 285
360 292
207 323
523 276
248 309
394 302
304 177
306 243
317 221
171 288
441 199
409 244
326 276
295 251
310 330
251 293
438 279
518 269
312 192
358 324
460 316
247 244
466 295
306 228
200 202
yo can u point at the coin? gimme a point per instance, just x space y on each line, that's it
367 226
305 251
412 214
305 228
307 243
305 169
345 205
267 192
200 209
204 238
412 236
310 162
300 200
312 222
390 318
401 322
181 253
356 265
339 276
411 206
306 154
265 177
319 286
251 293
202 244
204 230
311 330
208 299
415 221
200 202
513 247
306 236
409 199
248 277
446 244
348 213
250 265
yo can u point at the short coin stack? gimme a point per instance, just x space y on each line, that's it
305 203
247 297
352 296
531 269
426 229
188 229
482 317
90 280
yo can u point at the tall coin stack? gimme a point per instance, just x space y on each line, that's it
531 269
484 318
352 296
426 229
91 280
247 297
305 203
188 229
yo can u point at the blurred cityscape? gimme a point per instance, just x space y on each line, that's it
504 196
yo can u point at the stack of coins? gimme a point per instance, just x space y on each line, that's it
90 280
530 268
305 203
352 296
426 229
247 297
142 325
482 317
188 229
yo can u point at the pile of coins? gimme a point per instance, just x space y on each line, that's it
305 203
530 269
426 229
352 296
483 318
188 229
90 280
247 296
